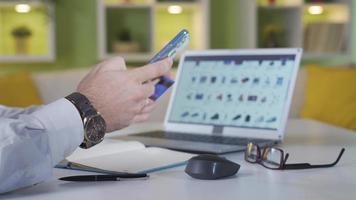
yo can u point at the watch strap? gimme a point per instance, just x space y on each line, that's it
87 112
82 104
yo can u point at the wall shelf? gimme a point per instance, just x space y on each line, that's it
323 28
137 29
27 32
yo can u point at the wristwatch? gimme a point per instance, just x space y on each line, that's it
94 123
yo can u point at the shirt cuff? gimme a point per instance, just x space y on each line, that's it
64 127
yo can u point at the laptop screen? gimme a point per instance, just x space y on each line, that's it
246 91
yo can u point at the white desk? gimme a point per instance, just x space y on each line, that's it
306 141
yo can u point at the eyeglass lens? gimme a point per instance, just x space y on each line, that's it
271 158
252 153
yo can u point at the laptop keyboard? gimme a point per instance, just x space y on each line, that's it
200 138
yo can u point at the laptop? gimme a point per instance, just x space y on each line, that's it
223 99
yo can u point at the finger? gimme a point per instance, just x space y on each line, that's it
148 89
143 104
141 118
152 71
170 75
149 107
154 82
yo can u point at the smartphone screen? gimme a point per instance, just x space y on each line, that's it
176 45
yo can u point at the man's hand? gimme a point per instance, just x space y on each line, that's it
122 96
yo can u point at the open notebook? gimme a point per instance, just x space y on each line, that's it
114 156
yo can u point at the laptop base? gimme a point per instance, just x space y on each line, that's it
202 144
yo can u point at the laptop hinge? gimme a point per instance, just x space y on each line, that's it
218 130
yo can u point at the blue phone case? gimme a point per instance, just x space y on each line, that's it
170 50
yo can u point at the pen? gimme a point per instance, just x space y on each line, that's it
92 178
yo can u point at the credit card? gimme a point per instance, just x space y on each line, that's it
177 44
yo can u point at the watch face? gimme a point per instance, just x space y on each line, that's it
95 129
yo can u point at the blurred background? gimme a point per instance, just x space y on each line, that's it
47 46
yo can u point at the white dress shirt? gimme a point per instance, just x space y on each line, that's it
34 140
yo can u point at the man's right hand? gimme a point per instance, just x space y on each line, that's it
122 96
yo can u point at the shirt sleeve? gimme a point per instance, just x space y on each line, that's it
16 112
33 142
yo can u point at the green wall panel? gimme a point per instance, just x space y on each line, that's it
353 16
224 22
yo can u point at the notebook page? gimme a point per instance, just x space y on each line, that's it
137 160
106 147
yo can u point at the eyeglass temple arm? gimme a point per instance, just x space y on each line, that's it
307 165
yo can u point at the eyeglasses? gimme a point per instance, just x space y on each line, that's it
273 158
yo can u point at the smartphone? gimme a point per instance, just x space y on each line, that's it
177 44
